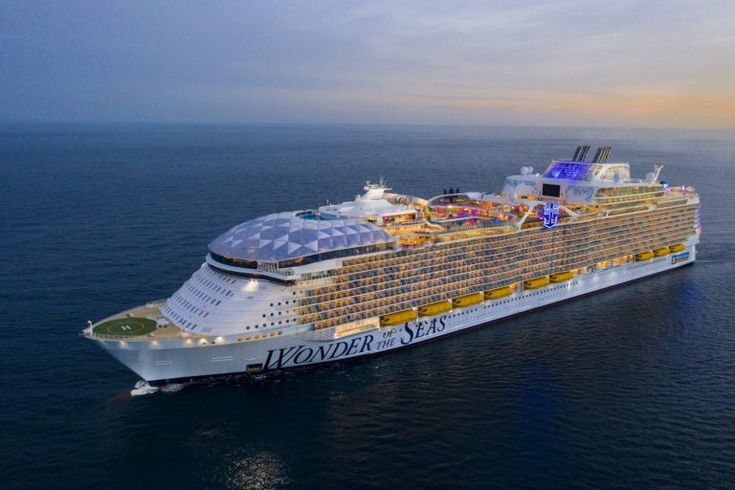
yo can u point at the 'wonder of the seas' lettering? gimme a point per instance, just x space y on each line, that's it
422 329
299 355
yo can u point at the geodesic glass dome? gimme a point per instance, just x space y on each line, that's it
289 235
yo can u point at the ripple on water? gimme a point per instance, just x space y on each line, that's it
632 388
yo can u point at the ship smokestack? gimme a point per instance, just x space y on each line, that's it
581 153
602 154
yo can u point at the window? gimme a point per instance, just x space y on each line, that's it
551 190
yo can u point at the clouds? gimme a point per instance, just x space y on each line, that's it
566 62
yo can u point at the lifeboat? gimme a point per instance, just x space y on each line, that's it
397 318
643 256
660 252
539 282
562 276
435 308
677 248
499 293
467 300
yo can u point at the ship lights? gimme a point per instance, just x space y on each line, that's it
568 170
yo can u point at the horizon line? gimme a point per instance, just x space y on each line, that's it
27 122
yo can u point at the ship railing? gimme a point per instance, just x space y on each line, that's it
151 335
105 336
404 199
89 331
682 190
454 224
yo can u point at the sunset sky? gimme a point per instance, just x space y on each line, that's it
622 63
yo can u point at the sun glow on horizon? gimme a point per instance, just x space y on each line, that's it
566 62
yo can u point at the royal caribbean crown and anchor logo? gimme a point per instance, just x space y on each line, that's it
551 214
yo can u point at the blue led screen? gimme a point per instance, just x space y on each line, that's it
568 170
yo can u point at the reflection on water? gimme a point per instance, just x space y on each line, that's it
258 471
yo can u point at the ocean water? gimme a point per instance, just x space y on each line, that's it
630 388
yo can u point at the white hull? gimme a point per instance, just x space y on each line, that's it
178 360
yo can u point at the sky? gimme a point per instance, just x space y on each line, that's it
619 63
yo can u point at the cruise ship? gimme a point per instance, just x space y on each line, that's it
387 271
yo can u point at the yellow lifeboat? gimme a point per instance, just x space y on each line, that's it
435 308
397 318
562 276
677 248
643 256
467 300
660 252
539 282
499 293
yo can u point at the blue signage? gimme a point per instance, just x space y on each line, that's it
551 214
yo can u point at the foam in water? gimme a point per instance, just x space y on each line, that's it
172 387
143 388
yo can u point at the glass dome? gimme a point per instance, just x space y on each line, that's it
289 235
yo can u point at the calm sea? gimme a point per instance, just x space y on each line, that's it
631 388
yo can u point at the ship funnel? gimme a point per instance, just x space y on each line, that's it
602 154
581 153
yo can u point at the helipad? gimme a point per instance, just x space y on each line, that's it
126 327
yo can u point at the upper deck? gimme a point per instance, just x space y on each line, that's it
295 245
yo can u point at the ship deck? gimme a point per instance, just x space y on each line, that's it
143 322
